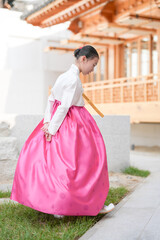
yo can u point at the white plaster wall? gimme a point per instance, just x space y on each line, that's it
26 71
21 79
145 134
54 64
57 61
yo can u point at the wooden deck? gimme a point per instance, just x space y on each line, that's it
138 97
124 90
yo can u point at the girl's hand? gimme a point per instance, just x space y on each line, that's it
48 136
45 127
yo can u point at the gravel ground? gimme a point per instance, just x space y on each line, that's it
125 180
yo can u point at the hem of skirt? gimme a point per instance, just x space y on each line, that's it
56 213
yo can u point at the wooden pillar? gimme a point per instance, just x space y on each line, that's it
139 57
111 64
82 78
116 61
121 60
49 90
150 53
106 64
158 49
130 60
98 73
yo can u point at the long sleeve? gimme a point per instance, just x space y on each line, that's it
48 110
68 94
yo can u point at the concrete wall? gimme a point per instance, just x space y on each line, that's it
145 134
115 131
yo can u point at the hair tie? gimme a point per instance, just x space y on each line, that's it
80 47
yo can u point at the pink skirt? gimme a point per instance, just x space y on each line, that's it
67 176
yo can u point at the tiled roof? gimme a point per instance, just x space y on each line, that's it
37 8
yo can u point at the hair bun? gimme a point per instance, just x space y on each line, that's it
76 52
87 50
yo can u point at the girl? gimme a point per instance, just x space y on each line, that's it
62 168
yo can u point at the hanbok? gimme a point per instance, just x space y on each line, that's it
69 174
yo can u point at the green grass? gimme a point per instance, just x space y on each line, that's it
5 194
115 195
136 172
23 223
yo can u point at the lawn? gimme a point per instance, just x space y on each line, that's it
5 194
18 222
136 172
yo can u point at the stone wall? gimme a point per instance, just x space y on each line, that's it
8 152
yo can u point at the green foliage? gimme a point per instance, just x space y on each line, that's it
136 172
5 194
21 222
115 195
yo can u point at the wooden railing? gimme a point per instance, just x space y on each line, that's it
122 90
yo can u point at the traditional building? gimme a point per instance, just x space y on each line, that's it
126 34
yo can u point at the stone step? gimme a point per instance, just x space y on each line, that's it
8 157
6 200
8 148
4 129
4 187
3 200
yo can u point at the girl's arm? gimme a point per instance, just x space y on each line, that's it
48 110
68 94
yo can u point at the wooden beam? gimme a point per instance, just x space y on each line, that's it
129 27
96 39
145 17
108 11
124 8
84 42
47 49
48 11
99 37
75 26
71 11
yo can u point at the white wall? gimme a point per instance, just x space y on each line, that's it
145 134
54 63
26 71
21 77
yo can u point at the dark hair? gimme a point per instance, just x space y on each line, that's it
88 51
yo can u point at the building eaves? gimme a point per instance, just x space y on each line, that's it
37 8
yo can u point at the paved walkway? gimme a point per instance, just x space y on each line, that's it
137 216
